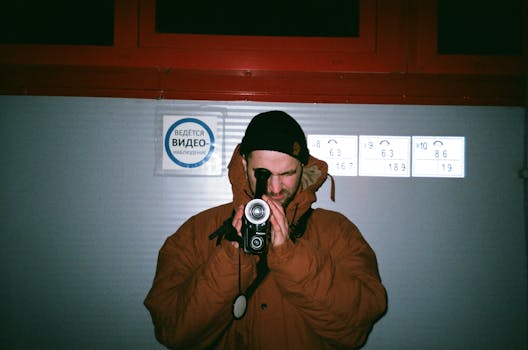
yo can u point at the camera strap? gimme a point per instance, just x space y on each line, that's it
227 231
241 300
297 229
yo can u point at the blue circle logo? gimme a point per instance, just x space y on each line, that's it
189 142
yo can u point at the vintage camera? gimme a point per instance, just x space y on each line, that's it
255 222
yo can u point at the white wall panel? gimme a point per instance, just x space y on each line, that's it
83 214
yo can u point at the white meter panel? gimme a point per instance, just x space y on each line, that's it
340 152
384 156
437 156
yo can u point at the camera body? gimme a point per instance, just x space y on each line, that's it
255 222
255 226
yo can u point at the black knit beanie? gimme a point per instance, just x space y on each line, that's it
275 131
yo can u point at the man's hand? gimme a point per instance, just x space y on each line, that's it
280 231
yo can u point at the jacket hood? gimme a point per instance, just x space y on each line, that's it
314 175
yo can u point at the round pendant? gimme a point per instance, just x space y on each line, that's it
239 306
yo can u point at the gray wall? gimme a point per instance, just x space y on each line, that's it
83 213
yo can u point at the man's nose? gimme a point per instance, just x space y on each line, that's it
274 184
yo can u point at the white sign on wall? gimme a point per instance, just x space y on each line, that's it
384 156
435 156
339 152
191 145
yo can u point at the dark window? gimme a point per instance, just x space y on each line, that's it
480 27
316 18
62 22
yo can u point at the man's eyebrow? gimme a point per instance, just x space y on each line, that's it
289 172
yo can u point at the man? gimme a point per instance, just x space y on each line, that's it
315 287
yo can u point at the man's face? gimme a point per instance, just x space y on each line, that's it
285 178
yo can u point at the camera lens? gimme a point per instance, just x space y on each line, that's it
256 243
257 212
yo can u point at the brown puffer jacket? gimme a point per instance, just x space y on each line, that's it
322 292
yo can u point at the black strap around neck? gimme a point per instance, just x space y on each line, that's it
297 229
227 231
262 272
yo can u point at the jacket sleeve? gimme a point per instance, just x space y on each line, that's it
195 283
332 281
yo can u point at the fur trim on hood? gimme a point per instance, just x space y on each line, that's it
314 175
